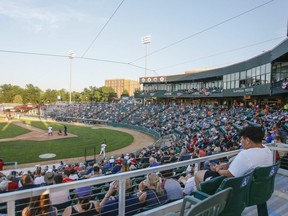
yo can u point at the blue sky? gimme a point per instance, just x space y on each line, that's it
186 35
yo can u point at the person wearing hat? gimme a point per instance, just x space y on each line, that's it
133 164
48 177
118 166
84 205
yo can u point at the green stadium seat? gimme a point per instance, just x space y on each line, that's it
262 187
239 196
213 205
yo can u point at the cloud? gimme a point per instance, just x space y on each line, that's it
38 18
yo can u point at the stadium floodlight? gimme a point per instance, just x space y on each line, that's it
71 55
146 40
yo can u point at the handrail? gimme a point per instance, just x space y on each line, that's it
10 197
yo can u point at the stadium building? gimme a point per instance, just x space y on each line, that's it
259 80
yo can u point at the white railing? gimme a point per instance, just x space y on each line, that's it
12 196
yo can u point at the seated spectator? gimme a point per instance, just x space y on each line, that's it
171 186
3 185
27 183
189 183
133 164
60 196
49 176
118 166
150 192
110 205
84 204
66 178
12 185
73 175
153 162
40 205
39 177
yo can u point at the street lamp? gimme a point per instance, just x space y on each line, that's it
71 55
146 40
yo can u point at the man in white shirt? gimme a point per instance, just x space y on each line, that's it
253 155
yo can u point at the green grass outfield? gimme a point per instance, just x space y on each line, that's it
26 151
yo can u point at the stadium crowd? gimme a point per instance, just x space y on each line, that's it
192 131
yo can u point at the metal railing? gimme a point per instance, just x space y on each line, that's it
10 197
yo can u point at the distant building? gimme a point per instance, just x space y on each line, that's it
119 85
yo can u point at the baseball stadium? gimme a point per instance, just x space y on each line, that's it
156 146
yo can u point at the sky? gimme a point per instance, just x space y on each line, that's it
105 36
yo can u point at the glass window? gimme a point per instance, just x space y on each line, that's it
228 85
249 73
225 78
263 79
258 71
242 75
232 84
228 77
236 76
268 77
253 72
268 68
224 85
262 69
236 83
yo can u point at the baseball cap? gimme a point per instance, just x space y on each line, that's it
83 191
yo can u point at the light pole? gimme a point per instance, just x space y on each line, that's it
71 55
146 40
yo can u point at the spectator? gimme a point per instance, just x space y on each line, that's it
84 205
40 205
150 192
153 162
1 164
253 155
60 196
189 183
109 205
171 186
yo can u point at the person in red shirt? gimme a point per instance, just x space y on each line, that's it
12 185
1 164
66 177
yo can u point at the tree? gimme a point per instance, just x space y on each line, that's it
107 93
137 93
125 93
49 96
18 99
8 92
32 94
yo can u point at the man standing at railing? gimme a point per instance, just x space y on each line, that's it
253 155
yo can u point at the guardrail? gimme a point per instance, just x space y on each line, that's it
15 163
12 196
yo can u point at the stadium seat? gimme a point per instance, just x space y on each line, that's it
213 205
239 196
262 187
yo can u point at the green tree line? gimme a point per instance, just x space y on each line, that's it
34 95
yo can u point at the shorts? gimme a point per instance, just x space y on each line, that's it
210 174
